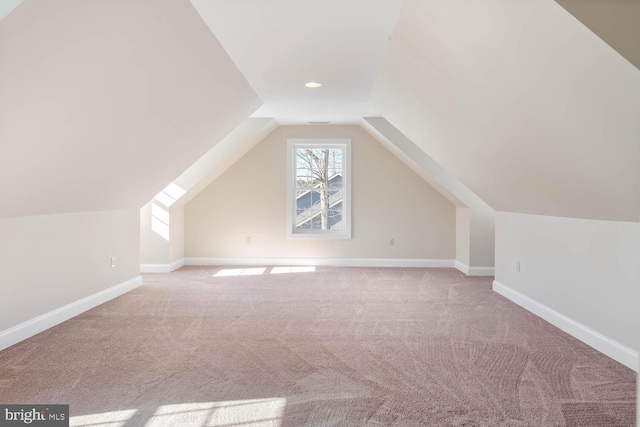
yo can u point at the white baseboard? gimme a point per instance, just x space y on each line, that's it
154 268
162 268
27 329
177 264
474 271
603 344
481 271
330 262
462 267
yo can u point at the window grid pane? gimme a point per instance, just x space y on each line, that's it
319 188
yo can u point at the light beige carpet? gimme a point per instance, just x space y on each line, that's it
331 347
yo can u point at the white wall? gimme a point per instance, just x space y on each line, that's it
161 247
176 233
482 241
388 201
587 270
161 237
47 262
154 246
103 104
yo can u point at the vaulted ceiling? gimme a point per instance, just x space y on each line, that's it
106 102
521 102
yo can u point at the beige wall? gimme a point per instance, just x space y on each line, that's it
388 201
463 232
475 229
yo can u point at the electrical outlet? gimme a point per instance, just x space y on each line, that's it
113 262
248 239
392 242
518 266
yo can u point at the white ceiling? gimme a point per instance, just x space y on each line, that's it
278 45
520 102
7 6
106 102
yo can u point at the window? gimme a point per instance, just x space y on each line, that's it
318 202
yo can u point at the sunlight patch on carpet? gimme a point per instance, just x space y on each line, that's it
240 272
103 419
301 269
253 412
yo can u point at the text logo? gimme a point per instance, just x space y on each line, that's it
34 415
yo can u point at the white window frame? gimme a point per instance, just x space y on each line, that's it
292 146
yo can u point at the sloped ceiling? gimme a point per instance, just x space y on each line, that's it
7 6
279 45
520 101
224 154
105 102
617 22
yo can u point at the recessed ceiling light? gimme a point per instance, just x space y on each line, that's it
313 85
